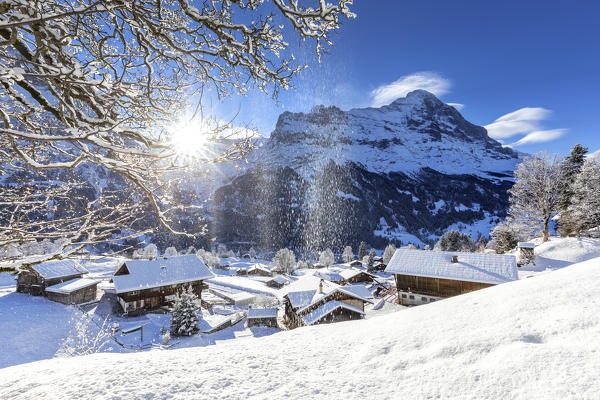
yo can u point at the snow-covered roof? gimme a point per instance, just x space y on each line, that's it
327 308
305 292
279 279
59 268
262 313
471 267
144 274
526 245
259 266
72 285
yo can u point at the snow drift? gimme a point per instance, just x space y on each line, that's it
534 338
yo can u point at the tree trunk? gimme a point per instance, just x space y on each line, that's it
546 234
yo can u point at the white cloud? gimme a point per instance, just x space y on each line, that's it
540 136
429 81
458 106
522 121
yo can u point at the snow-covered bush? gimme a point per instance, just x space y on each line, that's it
87 337
303 264
389 251
170 252
184 314
149 252
285 261
212 260
221 250
348 254
326 257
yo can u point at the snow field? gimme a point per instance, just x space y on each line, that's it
532 339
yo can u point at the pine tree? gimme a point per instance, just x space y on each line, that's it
570 169
584 212
184 317
504 238
371 258
455 241
362 250
348 254
389 251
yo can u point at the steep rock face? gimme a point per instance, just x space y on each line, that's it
404 172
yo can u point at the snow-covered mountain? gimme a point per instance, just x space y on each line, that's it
535 338
404 172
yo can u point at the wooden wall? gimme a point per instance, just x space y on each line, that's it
436 286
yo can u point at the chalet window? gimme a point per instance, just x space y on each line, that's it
431 299
403 296
423 298
134 292
411 297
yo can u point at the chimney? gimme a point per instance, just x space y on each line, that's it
321 286
454 258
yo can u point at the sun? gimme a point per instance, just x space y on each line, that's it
190 138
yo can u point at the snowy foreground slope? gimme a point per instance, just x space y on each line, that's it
533 338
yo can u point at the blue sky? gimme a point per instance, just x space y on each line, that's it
533 64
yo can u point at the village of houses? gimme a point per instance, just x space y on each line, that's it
246 297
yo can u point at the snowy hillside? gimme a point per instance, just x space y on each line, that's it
536 338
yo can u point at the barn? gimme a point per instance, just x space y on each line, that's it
75 291
262 317
147 284
425 276
311 300
36 278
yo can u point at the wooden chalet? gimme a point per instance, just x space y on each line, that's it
75 291
426 276
311 300
36 278
355 263
147 284
262 317
259 270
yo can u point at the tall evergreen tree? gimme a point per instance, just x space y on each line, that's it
584 210
184 317
570 167
362 250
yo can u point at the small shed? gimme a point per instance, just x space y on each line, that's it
75 291
526 253
355 263
36 278
277 282
262 317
